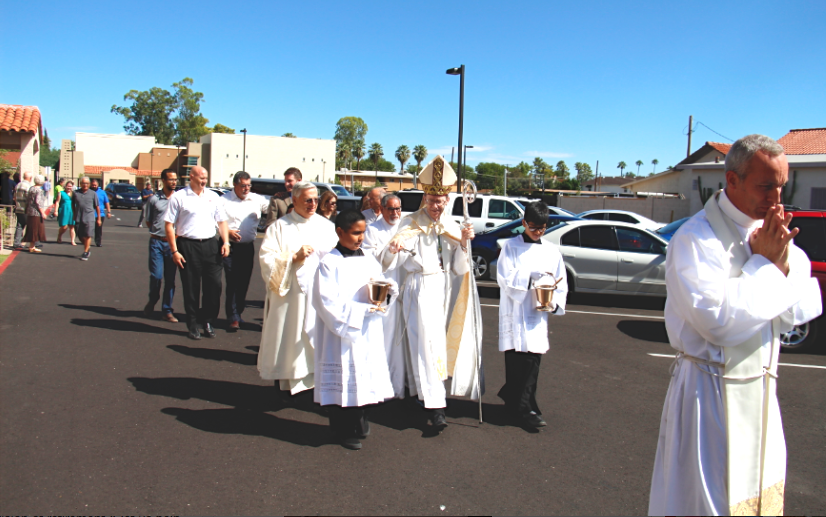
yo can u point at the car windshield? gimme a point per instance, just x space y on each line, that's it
341 191
672 227
125 188
519 204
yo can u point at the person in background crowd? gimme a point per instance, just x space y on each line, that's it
243 209
161 266
58 188
103 202
373 211
86 211
7 186
47 188
65 218
192 217
146 193
21 195
36 205
327 205
282 201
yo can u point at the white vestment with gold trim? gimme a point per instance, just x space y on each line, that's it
707 310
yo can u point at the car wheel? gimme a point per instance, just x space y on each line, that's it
481 267
801 338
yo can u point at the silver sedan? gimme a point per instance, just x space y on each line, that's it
609 257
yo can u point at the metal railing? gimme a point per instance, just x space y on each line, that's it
8 223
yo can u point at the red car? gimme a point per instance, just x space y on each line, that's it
812 240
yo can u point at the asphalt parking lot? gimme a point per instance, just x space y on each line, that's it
103 411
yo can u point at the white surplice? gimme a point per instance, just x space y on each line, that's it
370 216
521 326
286 351
376 237
705 311
427 299
350 363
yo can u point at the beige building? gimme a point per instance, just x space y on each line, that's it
266 157
704 172
21 130
392 181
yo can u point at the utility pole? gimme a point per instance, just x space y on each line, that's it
690 121
596 178
506 180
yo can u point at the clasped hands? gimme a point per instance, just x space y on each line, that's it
773 239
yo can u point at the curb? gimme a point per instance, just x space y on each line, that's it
6 263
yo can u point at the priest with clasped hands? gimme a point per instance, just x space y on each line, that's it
289 259
432 275
735 282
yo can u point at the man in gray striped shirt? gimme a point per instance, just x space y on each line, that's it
161 265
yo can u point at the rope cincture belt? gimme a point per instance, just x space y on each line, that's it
696 361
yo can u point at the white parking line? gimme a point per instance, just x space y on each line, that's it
599 313
782 364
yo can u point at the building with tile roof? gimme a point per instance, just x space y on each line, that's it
21 131
704 172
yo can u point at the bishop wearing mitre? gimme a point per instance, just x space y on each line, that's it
436 295
289 259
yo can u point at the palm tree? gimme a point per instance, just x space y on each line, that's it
376 152
655 162
358 152
403 154
419 154
621 166
638 164
344 154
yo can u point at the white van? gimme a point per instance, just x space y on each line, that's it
486 212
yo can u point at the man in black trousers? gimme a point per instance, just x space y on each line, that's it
192 216
243 209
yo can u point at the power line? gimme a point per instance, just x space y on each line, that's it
685 132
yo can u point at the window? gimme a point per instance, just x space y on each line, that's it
501 209
599 216
193 160
598 237
812 236
571 238
635 241
474 209
625 218
410 201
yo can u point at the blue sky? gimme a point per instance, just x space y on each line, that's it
579 81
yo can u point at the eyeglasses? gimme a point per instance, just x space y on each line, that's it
537 228
397 209
245 187
332 203
436 202
311 201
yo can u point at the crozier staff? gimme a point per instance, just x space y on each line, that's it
735 281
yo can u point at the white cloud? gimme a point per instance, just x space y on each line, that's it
544 154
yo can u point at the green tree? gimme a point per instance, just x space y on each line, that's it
419 154
468 172
583 172
540 166
376 153
621 166
402 154
638 163
358 152
654 162
489 175
220 128
562 170
190 125
288 135
384 165
150 114
343 155
349 130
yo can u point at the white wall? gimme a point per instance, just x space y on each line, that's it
269 156
115 150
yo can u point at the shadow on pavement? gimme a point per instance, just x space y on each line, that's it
126 326
254 348
619 301
645 330
106 311
253 423
213 354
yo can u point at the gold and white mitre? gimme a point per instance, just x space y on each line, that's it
438 177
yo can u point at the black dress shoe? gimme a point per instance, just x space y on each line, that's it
208 330
350 443
438 419
534 420
193 333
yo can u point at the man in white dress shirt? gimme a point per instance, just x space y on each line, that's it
735 281
243 209
192 216
375 239
373 211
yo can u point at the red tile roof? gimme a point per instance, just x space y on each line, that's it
723 148
805 141
97 169
25 119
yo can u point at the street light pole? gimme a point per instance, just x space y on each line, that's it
465 158
244 156
460 71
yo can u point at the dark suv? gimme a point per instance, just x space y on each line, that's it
123 195
812 240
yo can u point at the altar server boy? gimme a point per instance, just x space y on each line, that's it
525 262
351 371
